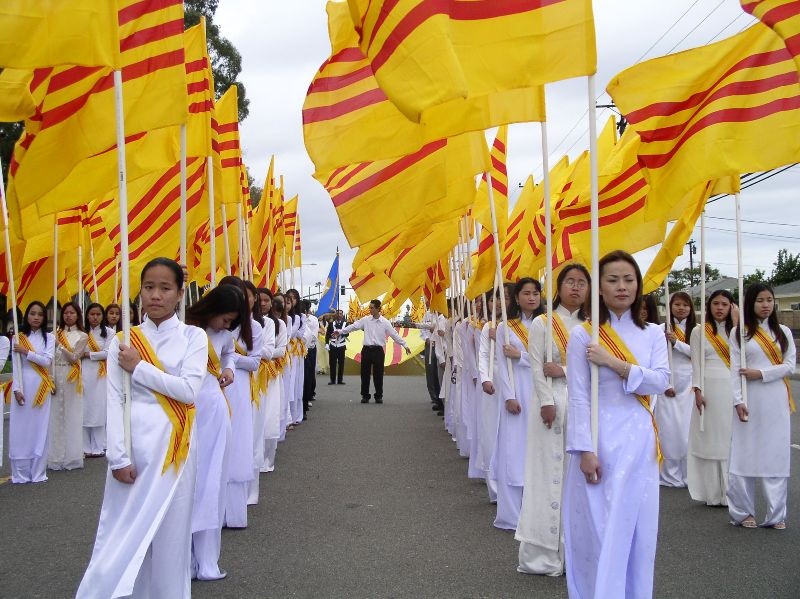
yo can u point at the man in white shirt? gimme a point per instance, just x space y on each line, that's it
376 329
434 369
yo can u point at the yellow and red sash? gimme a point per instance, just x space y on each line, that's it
719 343
520 330
95 347
74 374
181 415
215 370
560 335
679 334
775 355
255 386
6 390
48 385
611 340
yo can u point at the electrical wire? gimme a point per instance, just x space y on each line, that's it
693 29
663 35
758 222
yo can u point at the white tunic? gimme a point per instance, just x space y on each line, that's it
246 417
132 514
275 397
262 350
610 528
66 407
213 439
508 459
28 425
488 411
94 386
545 466
761 446
673 413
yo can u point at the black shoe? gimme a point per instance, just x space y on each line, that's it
436 407
440 413
340 383
365 400
378 400
331 383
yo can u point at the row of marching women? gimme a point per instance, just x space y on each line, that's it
208 401
516 399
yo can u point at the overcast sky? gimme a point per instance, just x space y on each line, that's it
284 43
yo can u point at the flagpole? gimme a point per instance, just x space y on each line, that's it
55 289
740 276
94 269
239 229
548 244
182 312
595 372
12 285
493 342
498 268
124 257
338 285
702 422
115 298
80 273
668 329
212 248
225 240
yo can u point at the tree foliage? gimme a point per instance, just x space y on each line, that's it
689 277
9 134
226 62
786 268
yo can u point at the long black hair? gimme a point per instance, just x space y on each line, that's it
295 311
257 315
514 309
728 296
562 276
751 320
25 327
245 324
219 300
636 307
117 326
78 321
270 315
650 304
691 320
103 321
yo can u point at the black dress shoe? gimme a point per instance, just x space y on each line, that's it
340 383
331 383
378 400
365 400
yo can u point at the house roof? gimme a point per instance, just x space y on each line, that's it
728 283
786 289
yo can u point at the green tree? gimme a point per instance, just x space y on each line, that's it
787 268
226 62
9 134
688 277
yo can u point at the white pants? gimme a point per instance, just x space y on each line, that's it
742 497
206 547
534 559
94 440
270 447
673 473
509 504
33 470
491 487
236 504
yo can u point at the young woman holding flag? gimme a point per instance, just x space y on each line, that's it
94 368
710 444
143 543
611 493
761 439
32 387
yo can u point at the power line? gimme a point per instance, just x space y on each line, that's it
693 29
736 18
759 222
663 35
759 235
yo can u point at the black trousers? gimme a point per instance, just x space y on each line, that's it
336 363
372 362
310 377
433 374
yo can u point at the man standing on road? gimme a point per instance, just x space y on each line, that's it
376 329
434 370
336 348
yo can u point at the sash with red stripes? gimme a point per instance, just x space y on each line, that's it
560 335
520 330
94 346
181 415
775 356
611 340
74 374
719 343
255 399
48 385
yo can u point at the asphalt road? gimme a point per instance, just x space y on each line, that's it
373 501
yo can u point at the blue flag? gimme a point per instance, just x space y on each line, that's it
330 297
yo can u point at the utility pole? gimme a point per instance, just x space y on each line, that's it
692 251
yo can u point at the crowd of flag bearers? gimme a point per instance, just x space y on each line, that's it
672 412
210 399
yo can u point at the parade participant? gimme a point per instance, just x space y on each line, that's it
650 309
114 317
5 349
376 330
279 303
143 545
215 312
433 370
310 359
244 402
463 379
611 496
94 369
707 461
273 383
30 409
489 407
336 348
474 470
674 409
508 460
297 352
540 530
65 438
761 436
